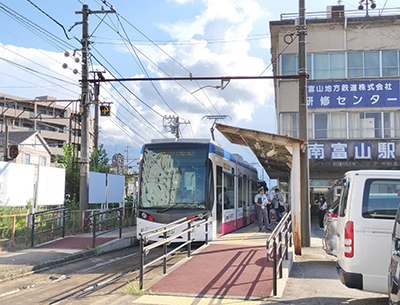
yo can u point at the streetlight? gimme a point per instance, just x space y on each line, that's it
361 7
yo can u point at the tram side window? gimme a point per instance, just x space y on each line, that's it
210 186
219 186
253 190
240 193
229 191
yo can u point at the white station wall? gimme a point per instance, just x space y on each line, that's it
116 184
97 187
50 186
16 184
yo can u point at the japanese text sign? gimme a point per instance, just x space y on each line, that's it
351 94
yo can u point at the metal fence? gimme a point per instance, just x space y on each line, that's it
97 220
144 238
281 238
56 220
16 228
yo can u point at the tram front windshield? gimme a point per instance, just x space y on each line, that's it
173 177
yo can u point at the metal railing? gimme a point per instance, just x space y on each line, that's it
103 218
144 238
57 214
281 238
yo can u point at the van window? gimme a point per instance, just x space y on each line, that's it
381 198
344 193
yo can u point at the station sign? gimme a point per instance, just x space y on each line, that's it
353 94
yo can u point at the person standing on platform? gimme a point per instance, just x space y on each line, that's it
321 212
268 194
259 201
279 204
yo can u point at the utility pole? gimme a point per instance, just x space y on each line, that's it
5 140
304 167
84 109
127 160
96 115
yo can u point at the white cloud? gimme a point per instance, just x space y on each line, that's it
249 103
180 1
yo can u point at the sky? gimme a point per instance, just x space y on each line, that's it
157 38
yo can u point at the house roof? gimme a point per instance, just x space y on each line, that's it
18 137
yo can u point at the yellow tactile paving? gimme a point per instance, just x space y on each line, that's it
174 300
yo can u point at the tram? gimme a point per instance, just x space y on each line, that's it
186 177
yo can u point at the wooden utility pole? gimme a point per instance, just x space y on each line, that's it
84 108
304 167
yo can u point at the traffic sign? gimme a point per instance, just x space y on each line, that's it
105 110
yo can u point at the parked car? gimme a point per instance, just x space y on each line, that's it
394 267
329 239
368 204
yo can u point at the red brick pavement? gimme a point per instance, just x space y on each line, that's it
229 270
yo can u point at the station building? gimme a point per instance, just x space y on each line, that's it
352 91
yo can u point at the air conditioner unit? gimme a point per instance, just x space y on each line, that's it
335 11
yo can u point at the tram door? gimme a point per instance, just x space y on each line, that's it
220 200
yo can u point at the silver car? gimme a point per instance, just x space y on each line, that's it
329 239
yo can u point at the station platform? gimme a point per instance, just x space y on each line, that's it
232 266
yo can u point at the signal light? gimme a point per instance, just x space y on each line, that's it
105 110
150 217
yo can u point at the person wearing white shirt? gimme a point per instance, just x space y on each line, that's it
321 212
260 201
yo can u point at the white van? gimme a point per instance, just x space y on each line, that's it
368 205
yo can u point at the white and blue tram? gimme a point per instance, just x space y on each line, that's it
186 177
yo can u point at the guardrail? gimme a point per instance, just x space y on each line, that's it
13 226
279 250
42 214
144 238
94 223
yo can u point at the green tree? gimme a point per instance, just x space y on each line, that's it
99 160
70 162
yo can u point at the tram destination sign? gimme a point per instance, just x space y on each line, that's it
353 94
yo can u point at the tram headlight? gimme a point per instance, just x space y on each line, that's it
144 215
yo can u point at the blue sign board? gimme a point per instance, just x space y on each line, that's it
338 151
353 94
316 151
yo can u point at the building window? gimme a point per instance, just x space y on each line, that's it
333 65
320 125
321 66
43 161
27 159
337 64
365 125
371 64
390 63
355 64
337 126
289 64
290 125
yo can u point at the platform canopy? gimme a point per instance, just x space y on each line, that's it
273 151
